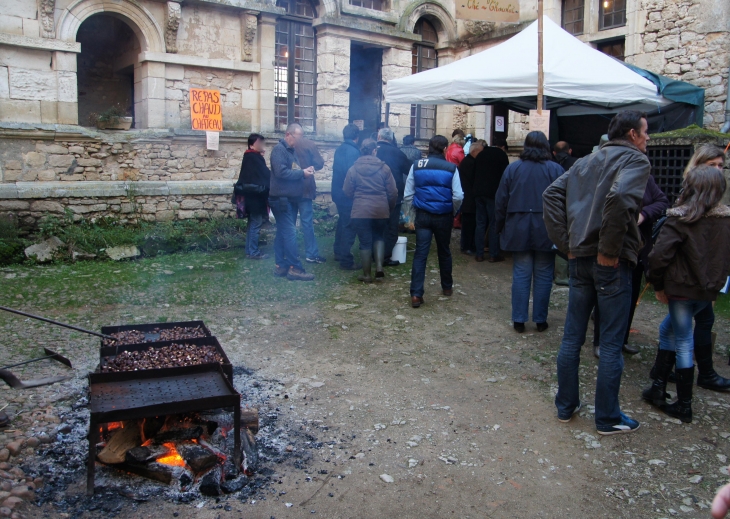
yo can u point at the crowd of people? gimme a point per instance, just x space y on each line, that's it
603 212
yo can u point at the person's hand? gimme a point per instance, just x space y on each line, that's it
309 172
607 261
721 503
661 297
641 218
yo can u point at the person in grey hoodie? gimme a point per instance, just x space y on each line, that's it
370 185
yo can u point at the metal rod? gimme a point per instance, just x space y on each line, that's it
540 73
57 323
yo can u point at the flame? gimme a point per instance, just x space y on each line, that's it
147 443
111 426
172 458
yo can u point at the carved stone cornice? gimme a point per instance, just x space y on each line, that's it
174 13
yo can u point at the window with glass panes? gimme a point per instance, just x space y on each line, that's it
423 117
615 48
368 4
573 16
611 13
295 66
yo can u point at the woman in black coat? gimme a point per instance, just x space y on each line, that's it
253 183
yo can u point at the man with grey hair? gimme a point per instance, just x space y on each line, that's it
287 188
399 166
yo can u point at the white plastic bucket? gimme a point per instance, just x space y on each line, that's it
399 251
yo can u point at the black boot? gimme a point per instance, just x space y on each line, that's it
656 394
682 408
652 374
366 257
708 377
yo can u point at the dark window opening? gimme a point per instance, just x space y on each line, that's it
377 5
573 16
424 57
615 48
295 68
667 167
105 67
611 13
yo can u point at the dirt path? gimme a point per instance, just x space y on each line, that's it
448 400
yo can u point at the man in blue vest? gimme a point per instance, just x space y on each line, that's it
433 184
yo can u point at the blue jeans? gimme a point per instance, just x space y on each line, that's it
485 216
285 243
676 333
252 233
344 236
369 230
438 226
610 289
531 268
306 216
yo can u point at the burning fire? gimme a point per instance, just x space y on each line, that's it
172 458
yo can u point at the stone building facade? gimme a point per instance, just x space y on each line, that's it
322 63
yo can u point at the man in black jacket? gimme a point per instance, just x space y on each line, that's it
489 167
564 155
399 166
287 188
345 157
591 214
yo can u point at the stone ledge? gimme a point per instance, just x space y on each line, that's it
39 43
196 61
101 189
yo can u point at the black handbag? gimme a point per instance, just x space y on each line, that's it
250 189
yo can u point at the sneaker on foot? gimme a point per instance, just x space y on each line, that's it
316 259
296 274
566 419
627 425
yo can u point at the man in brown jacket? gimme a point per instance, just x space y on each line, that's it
308 155
591 214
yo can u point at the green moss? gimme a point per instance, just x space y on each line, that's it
692 132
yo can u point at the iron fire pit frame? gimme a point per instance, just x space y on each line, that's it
148 329
133 395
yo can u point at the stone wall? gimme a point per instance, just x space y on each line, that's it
689 40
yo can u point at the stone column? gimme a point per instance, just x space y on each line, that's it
149 95
397 64
333 80
445 114
67 107
263 106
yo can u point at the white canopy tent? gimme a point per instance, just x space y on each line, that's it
578 79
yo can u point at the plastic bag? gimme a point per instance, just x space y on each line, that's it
408 215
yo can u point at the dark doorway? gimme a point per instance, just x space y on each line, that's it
366 87
109 49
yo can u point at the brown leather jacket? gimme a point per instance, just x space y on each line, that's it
370 183
692 260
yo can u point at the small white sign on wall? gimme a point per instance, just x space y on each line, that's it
499 124
212 140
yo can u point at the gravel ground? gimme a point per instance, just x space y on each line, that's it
369 407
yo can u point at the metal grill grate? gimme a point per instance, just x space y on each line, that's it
667 167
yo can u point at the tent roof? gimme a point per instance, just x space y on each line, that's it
578 78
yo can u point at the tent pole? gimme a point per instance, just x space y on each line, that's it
540 73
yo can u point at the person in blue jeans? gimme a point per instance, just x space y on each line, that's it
688 267
253 183
308 156
287 186
433 185
518 219
591 214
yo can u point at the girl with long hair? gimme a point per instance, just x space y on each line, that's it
688 267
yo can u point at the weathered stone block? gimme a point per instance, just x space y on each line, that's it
31 28
64 61
49 112
36 85
174 72
20 111
46 206
68 113
191 203
185 215
89 162
11 24
76 149
14 205
61 161
67 87
4 86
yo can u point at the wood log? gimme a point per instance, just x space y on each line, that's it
124 439
154 470
250 419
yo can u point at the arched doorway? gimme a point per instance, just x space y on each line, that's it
105 66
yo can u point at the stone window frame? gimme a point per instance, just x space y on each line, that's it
375 5
297 19
573 9
608 8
